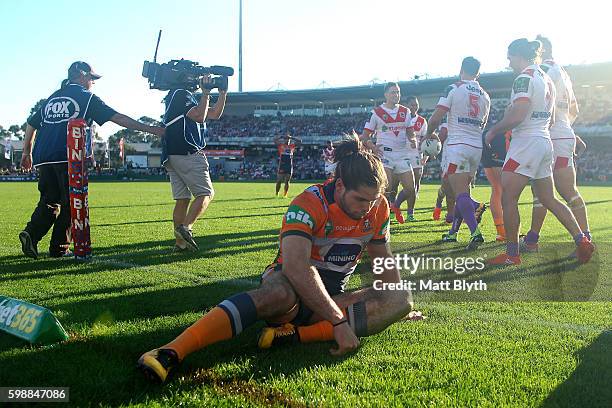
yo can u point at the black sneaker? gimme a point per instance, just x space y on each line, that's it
28 247
181 232
475 241
157 364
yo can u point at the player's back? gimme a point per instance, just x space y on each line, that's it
468 109
564 97
285 151
535 86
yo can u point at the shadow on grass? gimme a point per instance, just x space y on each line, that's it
169 221
150 253
550 275
132 205
99 367
170 203
430 209
154 303
590 385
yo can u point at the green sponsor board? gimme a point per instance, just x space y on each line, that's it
30 322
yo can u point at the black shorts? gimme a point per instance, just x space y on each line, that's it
285 168
333 284
494 156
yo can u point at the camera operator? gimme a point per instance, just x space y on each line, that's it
48 127
183 154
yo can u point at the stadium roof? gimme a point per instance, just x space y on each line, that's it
596 74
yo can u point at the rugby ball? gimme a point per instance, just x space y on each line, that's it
431 147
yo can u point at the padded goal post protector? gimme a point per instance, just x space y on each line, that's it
30 322
78 141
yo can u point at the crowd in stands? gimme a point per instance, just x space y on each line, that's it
593 165
328 125
595 108
270 126
307 165
12 171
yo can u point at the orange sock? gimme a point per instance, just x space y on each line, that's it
320 331
214 326
499 225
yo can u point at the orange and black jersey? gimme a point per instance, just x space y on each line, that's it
337 240
285 152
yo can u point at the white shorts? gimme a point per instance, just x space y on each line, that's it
461 158
563 153
330 168
443 162
396 160
416 159
530 156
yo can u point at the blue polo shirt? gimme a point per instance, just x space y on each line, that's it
51 121
183 135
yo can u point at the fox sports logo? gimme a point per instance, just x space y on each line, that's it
61 109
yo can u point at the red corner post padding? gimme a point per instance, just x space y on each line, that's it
78 186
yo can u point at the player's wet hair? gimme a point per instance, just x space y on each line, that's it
389 85
546 46
357 166
522 47
470 66
411 98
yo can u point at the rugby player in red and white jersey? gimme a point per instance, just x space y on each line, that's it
467 106
392 124
328 159
564 147
417 161
530 154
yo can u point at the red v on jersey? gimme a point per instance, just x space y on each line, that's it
401 116
418 123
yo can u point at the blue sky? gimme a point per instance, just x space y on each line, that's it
297 44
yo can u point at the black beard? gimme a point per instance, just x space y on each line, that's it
342 205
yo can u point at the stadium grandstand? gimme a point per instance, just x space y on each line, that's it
240 146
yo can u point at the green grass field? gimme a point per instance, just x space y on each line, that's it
136 295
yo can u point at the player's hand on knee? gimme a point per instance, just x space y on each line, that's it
346 339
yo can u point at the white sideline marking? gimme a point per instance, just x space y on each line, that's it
238 282
581 328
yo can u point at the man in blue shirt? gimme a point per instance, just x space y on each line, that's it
47 131
184 158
